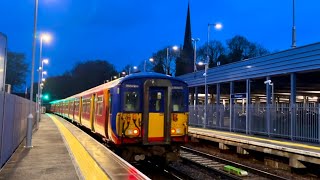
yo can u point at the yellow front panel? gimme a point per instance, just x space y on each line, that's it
180 125
156 125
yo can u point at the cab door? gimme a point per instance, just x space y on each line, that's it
156 112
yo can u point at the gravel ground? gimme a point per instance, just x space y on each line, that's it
194 171
249 161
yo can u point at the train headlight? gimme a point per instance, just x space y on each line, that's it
173 131
135 132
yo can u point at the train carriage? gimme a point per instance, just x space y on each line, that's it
143 114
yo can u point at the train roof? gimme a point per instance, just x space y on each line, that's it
115 82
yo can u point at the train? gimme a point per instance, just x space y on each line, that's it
143 114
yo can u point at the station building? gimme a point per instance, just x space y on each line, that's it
276 95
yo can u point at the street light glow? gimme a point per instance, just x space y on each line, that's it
135 67
218 26
201 63
46 37
124 73
46 61
151 59
44 72
43 79
175 48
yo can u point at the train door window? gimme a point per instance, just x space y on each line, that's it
76 106
178 99
156 101
110 103
99 105
131 101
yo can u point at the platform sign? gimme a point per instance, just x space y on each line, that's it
3 60
239 96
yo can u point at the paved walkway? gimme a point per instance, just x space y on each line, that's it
48 159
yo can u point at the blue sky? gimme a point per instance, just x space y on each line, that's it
129 31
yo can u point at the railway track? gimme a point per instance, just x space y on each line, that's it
218 165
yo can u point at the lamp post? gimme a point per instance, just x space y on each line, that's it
134 68
293 26
216 26
44 61
270 83
145 63
195 53
175 48
205 92
43 37
30 116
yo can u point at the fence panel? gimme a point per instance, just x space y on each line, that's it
13 123
307 123
305 128
8 126
258 118
1 128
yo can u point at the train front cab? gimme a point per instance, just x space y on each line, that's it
157 112
153 115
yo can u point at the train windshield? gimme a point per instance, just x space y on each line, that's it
178 101
131 101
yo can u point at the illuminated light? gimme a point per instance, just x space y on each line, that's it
249 66
46 61
178 130
151 59
135 131
175 48
135 67
201 63
218 26
45 37
173 131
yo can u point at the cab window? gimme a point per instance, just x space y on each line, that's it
131 101
178 103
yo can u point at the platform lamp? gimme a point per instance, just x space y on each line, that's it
206 65
45 37
175 48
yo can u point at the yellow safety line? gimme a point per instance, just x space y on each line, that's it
267 140
89 168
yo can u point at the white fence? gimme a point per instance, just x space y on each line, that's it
299 122
13 123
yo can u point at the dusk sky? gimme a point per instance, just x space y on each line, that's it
129 31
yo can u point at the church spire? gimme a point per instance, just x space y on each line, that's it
184 63
187 34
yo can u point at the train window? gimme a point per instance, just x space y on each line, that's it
156 101
178 103
131 101
99 105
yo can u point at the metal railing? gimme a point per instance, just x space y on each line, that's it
297 122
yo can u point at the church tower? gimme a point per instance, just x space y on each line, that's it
184 63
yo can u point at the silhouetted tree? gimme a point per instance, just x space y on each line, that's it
215 50
161 64
16 70
240 48
83 76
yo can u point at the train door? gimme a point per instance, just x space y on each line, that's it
156 116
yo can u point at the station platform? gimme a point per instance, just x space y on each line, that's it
297 153
63 151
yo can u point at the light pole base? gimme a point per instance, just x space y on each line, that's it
29 132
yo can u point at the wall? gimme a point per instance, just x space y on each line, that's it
13 123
